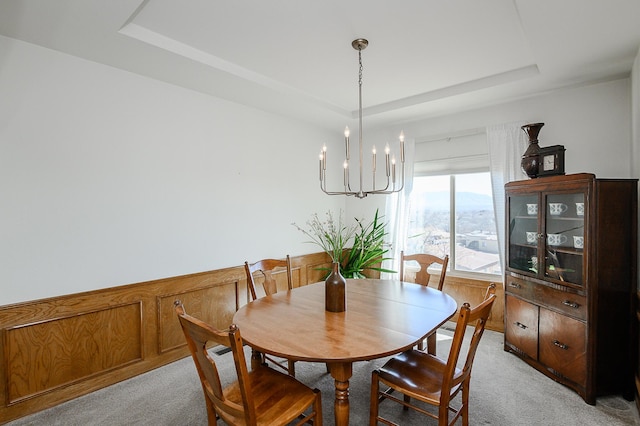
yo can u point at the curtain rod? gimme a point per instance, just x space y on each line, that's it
452 135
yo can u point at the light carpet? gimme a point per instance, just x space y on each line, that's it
505 391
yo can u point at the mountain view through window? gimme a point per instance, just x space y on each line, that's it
468 235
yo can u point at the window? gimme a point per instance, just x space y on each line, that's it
453 214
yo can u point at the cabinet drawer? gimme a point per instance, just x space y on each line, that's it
519 287
521 325
562 345
568 303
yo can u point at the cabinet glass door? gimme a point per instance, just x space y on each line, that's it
564 240
524 235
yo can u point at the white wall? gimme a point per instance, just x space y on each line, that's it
109 178
592 122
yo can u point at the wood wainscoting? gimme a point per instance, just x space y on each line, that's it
57 349
471 290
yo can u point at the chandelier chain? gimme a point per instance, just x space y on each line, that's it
361 68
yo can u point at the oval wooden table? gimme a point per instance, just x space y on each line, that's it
383 317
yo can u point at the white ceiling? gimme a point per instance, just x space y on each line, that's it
294 57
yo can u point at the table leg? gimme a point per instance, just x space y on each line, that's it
256 359
341 372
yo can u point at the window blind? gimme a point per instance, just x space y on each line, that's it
465 152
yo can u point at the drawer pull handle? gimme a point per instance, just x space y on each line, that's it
521 325
571 304
560 345
514 285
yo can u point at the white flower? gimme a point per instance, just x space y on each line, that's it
332 236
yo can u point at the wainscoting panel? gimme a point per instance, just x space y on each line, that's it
472 291
57 349
47 355
214 304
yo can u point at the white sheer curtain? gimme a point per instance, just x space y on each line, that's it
506 144
396 211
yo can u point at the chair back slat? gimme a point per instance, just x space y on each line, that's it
267 271
424 261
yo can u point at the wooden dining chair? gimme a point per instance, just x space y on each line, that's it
262 396
425 261
425 377
423 277
265 270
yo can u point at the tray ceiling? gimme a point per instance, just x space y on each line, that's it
292 57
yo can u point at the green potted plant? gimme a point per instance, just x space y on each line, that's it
367 250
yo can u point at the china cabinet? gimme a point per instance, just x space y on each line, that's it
570 280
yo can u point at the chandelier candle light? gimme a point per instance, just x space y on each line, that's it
390 160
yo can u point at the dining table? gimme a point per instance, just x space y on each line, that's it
382 318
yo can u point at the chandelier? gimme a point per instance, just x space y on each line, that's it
392 185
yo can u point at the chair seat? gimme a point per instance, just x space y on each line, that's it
418 374
278 398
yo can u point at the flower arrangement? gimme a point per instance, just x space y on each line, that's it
368 247
332 236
